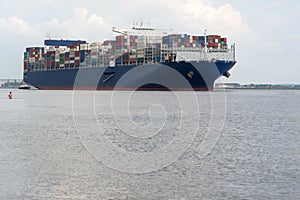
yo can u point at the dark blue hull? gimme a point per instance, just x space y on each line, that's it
164 76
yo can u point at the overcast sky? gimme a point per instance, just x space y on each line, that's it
266 32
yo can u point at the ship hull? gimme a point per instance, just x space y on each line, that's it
164 76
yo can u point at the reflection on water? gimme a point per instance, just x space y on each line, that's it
43 156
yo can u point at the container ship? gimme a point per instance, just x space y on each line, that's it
139 58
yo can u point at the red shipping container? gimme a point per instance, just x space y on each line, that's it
77 53
195 39
107 42
25 65
48 64
132 60
120 38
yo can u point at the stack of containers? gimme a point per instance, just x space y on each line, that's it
50 59
83 51
119 46
213 41
62 60
120 42
70 62
172 41
188 41
126 49
57 58
133 39
33 58
108 49
124 58
75 55
77 58
72 56
157 52
62 56
195 41
224 43
198 41
109 43
95 52
141 44
67 59
131 46
184 40
132 55
177 40
26 60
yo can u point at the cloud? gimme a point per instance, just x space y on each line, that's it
201 14
191 16
16 25
81 24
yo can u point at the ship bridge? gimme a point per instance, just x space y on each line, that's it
140 30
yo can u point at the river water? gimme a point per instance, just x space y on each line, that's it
233 144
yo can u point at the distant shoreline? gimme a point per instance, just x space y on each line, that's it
15 83
258 86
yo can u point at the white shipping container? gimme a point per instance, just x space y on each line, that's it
83 45
95 44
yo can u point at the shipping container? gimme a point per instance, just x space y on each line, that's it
66 43
25 66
